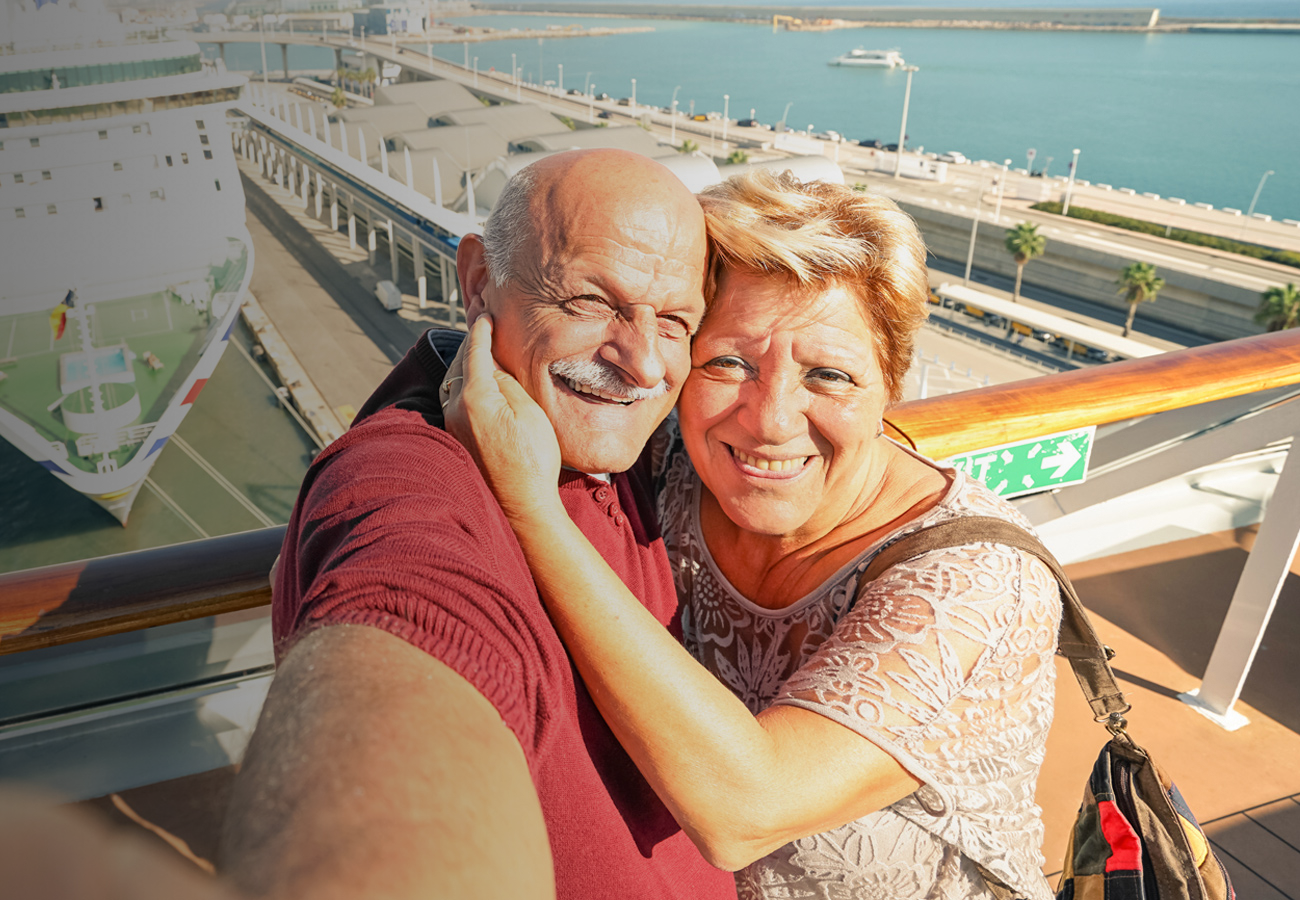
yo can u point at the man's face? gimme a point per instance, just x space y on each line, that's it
596 325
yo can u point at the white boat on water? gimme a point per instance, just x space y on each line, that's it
873 59
122 241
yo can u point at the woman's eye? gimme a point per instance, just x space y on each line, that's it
726 362
830 375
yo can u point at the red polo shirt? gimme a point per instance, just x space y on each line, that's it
395 528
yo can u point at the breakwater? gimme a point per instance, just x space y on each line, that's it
884 16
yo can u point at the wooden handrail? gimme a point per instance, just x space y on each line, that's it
74 601
129 591
999 414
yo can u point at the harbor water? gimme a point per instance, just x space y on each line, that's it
1196 116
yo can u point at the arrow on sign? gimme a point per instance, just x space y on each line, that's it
1064 459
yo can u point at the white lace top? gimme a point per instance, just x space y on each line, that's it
944 662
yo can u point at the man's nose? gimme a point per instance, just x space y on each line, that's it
633 346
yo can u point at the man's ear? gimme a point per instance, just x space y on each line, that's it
472 270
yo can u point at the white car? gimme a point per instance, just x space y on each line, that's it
953 156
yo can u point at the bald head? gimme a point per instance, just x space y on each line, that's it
611 190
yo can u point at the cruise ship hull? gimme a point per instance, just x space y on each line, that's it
122 243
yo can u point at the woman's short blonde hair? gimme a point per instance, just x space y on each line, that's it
818 236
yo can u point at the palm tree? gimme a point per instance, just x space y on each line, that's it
1139 283
337 97
1024 243
1279 308
737 158
369 76
688 146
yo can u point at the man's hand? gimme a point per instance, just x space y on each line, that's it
505 431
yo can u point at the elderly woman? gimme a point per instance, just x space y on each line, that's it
820 736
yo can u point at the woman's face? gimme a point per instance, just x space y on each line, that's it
782 406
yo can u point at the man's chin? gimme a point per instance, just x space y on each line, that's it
597 454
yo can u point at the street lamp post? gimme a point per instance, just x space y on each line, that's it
261 37
974 226
1255 199
1069 187
726 113
513 75
902 130
1002 186
560 83
591 103
476 71
586 86
672 138
1250 211
633 106
780 126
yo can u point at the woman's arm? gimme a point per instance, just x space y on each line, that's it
739 785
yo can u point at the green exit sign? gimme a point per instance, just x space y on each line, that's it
1024 467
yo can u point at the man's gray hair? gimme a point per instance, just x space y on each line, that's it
509 227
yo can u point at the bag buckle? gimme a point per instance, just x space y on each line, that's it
1115 722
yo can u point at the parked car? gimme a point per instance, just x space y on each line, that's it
699 117
624 101
602 96
873 143
574 92
892 148
953 156
829 135
749 123
604 114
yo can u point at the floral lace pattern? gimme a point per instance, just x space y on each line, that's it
944 662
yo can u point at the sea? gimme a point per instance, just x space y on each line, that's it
1200 117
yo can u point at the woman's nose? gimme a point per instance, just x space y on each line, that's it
772 412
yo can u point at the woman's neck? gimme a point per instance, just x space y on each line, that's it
775 571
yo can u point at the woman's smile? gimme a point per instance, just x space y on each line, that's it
783 468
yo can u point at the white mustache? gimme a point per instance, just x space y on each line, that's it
605 379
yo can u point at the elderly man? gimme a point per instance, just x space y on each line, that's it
426 733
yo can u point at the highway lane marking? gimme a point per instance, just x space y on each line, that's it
220 479
171 504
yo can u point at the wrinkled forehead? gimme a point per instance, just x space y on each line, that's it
630 233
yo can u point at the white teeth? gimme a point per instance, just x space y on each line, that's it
587 389
770 465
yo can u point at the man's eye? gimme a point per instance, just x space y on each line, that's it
674 328
726 362
588 305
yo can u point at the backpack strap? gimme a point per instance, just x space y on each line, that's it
1078 641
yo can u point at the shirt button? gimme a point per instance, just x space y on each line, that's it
601 494
619 519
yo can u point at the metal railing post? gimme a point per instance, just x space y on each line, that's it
1253 601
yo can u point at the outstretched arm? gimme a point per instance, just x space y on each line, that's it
376 771
739 785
